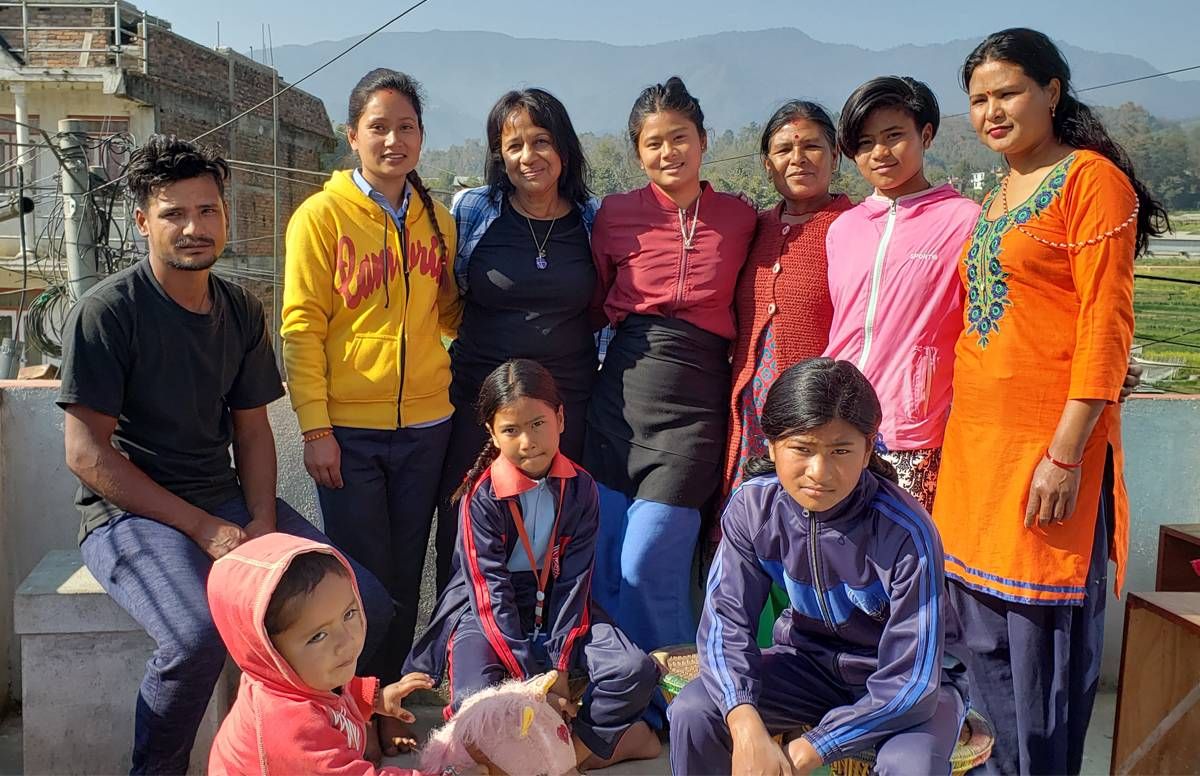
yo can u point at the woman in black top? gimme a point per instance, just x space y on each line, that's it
525 270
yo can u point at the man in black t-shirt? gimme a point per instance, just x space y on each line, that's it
165 365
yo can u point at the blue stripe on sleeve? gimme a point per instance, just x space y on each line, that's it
927 621
715 655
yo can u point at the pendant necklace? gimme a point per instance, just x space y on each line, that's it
688 235
540 261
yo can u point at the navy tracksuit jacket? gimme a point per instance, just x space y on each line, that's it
481 632
868 624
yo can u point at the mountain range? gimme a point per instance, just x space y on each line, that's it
739 77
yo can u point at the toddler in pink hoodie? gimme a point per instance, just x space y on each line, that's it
288 609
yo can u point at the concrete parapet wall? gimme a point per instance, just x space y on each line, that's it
82 659
1162 447
37 493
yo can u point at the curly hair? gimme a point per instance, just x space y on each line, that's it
166 159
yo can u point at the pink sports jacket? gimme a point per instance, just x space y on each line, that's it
897 304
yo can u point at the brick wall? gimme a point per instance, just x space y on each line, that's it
194 89
58 48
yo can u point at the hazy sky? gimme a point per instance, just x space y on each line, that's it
1163 32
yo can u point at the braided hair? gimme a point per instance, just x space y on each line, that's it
382 78
813 393
518 378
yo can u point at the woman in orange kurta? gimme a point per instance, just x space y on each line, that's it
1031 491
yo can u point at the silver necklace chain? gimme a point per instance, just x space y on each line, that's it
541 246
688 235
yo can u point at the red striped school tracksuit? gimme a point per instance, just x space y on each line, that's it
482 633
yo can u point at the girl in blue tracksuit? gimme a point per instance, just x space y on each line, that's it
858 654
519 598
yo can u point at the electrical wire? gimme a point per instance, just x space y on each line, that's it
1168 280
1104 86
272 175
302 79
277 167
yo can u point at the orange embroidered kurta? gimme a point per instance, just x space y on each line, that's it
1042 325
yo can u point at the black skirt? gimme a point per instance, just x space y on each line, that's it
656 423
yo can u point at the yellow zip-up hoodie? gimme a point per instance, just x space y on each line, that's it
363 316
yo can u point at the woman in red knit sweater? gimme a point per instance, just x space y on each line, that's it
782 299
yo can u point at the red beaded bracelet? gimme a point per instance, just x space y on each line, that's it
312 436
1068 466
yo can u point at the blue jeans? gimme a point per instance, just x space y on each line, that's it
159 576
642 575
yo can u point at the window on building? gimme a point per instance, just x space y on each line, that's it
9 152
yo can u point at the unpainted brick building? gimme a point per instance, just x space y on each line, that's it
122 70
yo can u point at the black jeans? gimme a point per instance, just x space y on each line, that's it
381 517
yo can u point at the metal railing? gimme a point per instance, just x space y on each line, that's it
111 33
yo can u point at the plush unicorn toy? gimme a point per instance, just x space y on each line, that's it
512 726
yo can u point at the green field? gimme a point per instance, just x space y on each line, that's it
1166 310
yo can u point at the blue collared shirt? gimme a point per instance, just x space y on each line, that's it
397 213
537 512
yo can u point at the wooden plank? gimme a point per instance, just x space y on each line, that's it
1185 531
1178 546
1181 606
1158 722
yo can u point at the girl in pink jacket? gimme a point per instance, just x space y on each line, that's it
893 273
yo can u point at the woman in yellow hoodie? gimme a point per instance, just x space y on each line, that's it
369 291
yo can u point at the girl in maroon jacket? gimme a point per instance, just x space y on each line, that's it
518 601
667 260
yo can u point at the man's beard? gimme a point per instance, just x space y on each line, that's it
191 265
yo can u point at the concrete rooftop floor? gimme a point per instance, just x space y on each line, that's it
1095 760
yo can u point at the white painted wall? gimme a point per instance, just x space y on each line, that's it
37 493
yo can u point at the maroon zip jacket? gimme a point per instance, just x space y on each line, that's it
642 265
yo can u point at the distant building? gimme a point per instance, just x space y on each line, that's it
978 181
121 70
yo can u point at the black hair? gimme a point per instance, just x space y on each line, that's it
889 91
1074 123
796 110
302 576
518 378
546 111
380 79
813 393
672 95
166 159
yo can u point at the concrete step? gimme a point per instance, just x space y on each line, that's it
82 660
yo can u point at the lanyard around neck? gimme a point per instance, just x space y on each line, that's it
542 577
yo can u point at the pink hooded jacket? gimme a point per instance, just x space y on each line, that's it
279 725
897 304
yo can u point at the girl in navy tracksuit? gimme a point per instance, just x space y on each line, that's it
858 654
519 598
